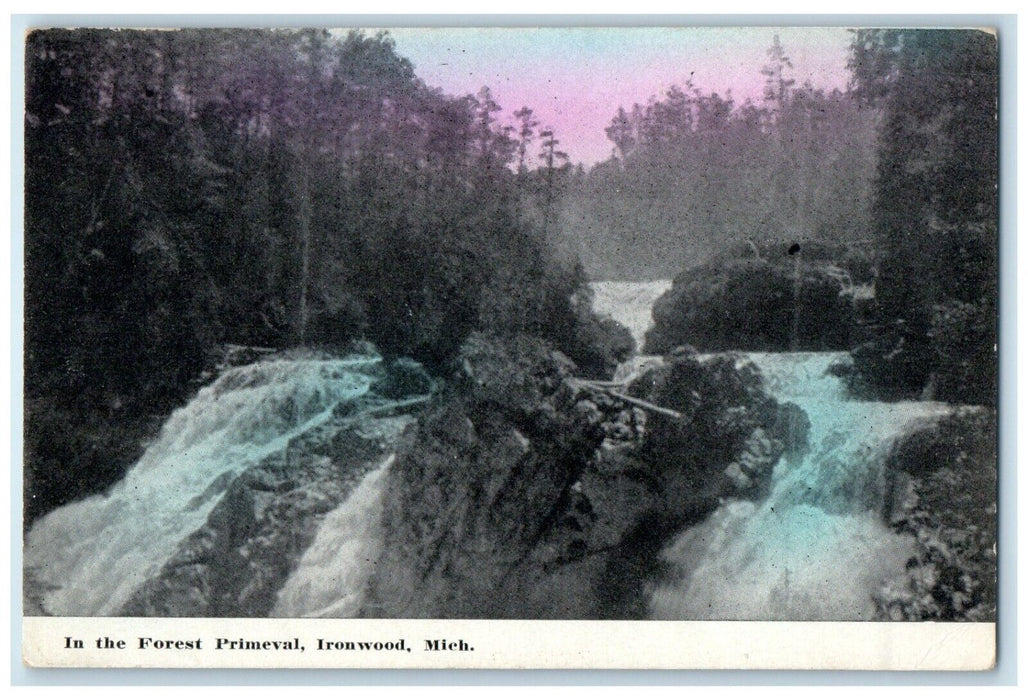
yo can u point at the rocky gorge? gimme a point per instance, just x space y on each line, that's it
691 486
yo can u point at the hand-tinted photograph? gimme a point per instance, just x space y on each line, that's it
542 324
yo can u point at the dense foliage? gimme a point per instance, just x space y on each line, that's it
949 506
693 172
933 327
195 187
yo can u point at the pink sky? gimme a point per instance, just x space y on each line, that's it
575 79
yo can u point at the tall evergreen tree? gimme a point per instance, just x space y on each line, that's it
935 203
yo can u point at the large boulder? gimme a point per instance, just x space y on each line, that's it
527 493
728 438
753 305
488 474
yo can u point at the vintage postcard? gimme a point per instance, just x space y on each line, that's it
594 347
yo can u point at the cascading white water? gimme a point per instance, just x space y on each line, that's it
629 303
816 548
90 556
331 578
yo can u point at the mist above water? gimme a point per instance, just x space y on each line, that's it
630 304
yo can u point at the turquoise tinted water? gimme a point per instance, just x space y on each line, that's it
94 553
817 548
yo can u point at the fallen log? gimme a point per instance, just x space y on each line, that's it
608 387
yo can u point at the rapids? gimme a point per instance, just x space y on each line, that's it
88 557
818 547
629 303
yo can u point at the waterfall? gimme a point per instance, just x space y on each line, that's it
817 548
91 555
332 575
629 303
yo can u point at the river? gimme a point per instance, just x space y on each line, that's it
816 548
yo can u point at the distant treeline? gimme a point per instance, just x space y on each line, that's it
694 172
864 221
196 187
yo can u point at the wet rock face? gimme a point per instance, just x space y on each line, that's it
527 494
265 519
730 435
488 474
944 495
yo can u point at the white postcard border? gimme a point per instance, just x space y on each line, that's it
246 643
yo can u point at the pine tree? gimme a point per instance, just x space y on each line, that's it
777 86
935 201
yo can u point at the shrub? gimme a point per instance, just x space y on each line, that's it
963 335
945 352
599 346
949 507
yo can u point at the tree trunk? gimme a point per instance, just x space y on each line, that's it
304 232
797 293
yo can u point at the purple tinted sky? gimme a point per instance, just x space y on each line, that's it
575 79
